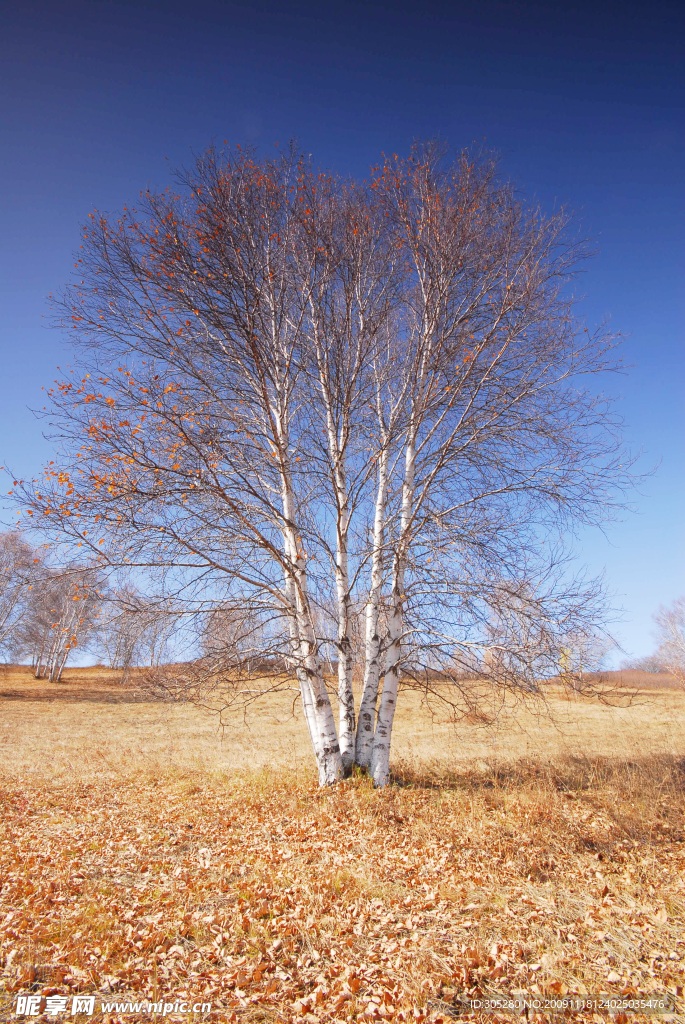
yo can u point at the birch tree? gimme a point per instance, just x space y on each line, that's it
119 631
670 623
62 611
133 630
310 403
17 572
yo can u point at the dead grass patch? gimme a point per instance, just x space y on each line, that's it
142 856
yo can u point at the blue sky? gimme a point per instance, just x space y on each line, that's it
584 102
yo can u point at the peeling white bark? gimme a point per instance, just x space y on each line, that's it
380 758
346 727
315 701
342 582
367 709
337 430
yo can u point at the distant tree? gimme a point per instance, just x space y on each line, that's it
133 630
118 634
60 615
652 663
233 637
310 402
670 622
159 621
18 561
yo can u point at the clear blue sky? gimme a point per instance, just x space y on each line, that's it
584 101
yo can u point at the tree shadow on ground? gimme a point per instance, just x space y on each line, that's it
568 775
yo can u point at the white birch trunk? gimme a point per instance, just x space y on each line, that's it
380 759
39 657
62 663
315 701
326 746
342 580
346 727
367 709
306 694
53 652
346 710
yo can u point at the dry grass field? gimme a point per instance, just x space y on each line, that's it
146 854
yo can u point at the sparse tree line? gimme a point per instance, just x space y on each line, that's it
44 612
345 426
669 655
49 612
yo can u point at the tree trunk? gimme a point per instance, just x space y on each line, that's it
367 709
380 759
63 661
325 738
39 658
345 690
336 433
315 701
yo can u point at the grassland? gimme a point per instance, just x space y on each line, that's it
147 854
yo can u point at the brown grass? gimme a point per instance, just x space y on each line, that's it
633 677
93 720
144 852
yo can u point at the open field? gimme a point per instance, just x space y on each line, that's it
631 677
144 854
89 720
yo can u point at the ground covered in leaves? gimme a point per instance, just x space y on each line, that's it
276 901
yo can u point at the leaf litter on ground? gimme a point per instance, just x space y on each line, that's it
277 901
